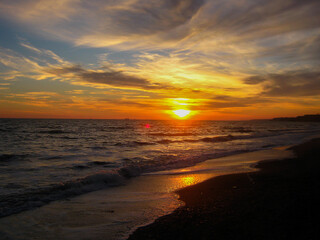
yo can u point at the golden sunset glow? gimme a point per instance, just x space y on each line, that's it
182 113
128 63
189 180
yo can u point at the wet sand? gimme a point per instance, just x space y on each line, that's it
114 213
278 202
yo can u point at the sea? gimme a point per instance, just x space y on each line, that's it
45 160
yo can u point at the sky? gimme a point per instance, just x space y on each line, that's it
146 59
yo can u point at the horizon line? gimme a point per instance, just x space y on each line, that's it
135 119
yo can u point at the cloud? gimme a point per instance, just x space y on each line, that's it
13 60
255 80
295 84
52 66
130 103
217 36
150 17
26 45
45 10
119 79
160 23
296 47
47 54
115 78
165 48
39 99
99 22
17 64
228 102
107 77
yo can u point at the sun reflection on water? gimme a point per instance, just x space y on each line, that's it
189 180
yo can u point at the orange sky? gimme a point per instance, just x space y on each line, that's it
144 59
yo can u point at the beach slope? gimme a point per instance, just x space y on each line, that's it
278 202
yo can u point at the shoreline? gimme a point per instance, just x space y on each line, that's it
276 202
114 213
209 166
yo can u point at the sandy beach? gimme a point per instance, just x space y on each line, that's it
159 119
278 202
114 213
266 194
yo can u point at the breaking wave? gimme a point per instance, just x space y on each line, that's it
14 203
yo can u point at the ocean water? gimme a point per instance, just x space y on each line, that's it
44 160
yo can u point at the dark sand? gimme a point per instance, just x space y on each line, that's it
278 202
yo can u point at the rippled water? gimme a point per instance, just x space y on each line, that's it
45 160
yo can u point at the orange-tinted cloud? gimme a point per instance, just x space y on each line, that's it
227 57
298 83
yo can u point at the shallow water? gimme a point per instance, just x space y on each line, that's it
113 213
46 160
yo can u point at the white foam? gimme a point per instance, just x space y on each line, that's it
115 212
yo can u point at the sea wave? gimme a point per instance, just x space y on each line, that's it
106 161
119 128
214 139
6 130
206 139
218 139
15 203
93 164
12 157
133 144
55 131
171 134
32 198
238 129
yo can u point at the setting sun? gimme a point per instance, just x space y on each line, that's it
181 113
168 93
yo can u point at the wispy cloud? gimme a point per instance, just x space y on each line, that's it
52 66
227 55
14 60
246 36
161 23
298 83
39 99
47 54
106 77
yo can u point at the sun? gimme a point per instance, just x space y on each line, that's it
182 113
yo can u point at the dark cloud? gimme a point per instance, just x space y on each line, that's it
225 101
246 19
303 50
228 104
132 103
65 70
152 16
298 83
252 80
114 78
108 77
275 16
